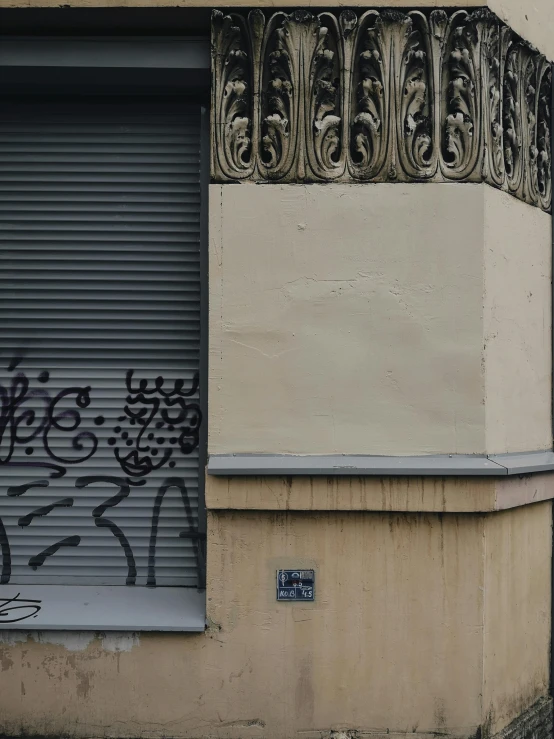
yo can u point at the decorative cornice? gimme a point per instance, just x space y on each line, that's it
380 96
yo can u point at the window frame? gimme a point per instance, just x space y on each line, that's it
184 73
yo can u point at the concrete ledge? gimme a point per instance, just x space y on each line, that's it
358 465
525 463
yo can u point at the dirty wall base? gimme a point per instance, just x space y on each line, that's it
407 632
535 723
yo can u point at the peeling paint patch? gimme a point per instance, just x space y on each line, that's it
73 641
11 638
120 641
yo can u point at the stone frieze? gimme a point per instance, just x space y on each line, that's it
380 96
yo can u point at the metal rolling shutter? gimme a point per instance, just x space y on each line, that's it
99 275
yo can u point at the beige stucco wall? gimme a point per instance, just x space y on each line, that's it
518 560
517 324
532 19
389 319
395 641
346 319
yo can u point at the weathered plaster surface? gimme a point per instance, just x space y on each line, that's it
518 560
75 641
425 494
346 319
408 604
395 641
432 494
517 325
512 492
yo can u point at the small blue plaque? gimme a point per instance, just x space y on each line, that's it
295 585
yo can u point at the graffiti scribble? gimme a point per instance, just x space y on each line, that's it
171 482
166 419
22 426
161 420
16 490
6 571
44 511
39 559
8 605
124 486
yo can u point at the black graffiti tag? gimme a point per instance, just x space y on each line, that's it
23 426
17 609
191 533
124 486
166 420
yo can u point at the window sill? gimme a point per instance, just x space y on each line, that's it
101 608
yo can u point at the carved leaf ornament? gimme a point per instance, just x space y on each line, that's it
380 96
